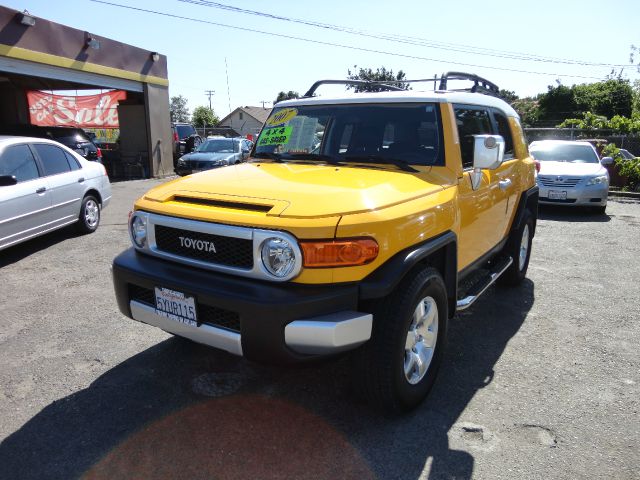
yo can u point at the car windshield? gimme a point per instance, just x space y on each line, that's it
185 131
393 134
564 153
219 146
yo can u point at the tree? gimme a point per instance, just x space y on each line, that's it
204 116
286 96
178 109
380 75
508 96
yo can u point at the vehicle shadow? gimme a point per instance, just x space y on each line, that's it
23 250
180 410
570 214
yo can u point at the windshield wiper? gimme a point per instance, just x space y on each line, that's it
276 157
313 156
401 164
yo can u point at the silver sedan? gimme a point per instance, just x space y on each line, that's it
45 186
571 174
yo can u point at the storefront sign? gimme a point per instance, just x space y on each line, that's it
90 111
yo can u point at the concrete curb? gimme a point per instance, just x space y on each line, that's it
635 195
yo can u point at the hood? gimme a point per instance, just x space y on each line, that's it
206 156
300 191
571 169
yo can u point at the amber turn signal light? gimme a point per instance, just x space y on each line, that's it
339 253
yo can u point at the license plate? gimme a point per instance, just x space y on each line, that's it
557 194
176 306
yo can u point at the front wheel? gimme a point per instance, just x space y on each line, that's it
89 217
396 369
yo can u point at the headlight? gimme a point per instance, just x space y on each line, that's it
138 229
598 180
278 257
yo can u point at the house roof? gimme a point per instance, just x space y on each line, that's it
259 113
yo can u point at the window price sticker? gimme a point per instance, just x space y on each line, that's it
275 136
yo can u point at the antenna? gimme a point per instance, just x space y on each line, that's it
226 69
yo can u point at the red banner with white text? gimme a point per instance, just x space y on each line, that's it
85 111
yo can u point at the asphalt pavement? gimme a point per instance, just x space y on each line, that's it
540 381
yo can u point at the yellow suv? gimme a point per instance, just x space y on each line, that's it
353 227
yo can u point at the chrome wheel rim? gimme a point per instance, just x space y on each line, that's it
524 247
91 213
421 340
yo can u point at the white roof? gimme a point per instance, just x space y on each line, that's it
438 96
561 142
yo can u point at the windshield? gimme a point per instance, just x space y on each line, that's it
219 146
185 131
395 134
564 153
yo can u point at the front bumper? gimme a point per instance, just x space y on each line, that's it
579 196
275 323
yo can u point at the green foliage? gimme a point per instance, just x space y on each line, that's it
508 96
591 121
204 116
626 167
380 75
528 109
178 110
286 96
604 99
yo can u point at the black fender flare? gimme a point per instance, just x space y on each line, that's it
528 201
384 279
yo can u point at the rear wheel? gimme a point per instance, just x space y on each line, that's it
396 369
519 249
89 217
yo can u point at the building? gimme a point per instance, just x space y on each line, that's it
37 54
246 120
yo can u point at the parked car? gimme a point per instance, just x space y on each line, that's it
45 186
571 174
413 204
185 139
213 153
74 138
626 154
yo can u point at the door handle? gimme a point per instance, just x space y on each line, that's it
504 184
81 179
41 190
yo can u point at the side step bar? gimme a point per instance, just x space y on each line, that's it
475 293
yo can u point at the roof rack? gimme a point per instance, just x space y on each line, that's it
480 85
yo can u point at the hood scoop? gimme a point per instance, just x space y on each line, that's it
209 202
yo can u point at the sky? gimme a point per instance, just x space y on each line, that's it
246 59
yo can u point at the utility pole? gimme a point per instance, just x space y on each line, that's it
263 102
209 93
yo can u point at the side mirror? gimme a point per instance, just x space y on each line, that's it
7 180
606 161
488 154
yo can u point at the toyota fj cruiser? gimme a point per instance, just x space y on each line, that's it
360 223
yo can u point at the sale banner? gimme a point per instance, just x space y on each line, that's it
84 111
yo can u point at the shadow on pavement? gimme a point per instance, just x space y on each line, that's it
570 214
180 410
22 250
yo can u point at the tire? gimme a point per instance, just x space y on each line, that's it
409 331
600 210
192 143
519 249
89 217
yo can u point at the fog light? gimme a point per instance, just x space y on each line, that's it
139 231
278 257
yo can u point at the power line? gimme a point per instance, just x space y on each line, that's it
331 44
406 39
209 93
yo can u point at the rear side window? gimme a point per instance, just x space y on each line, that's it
185 131
73 163
505 131
18 161
53 159
471 121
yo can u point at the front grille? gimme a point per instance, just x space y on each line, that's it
229 251
558 181
207 314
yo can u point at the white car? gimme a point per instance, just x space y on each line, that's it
571 173
45 186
